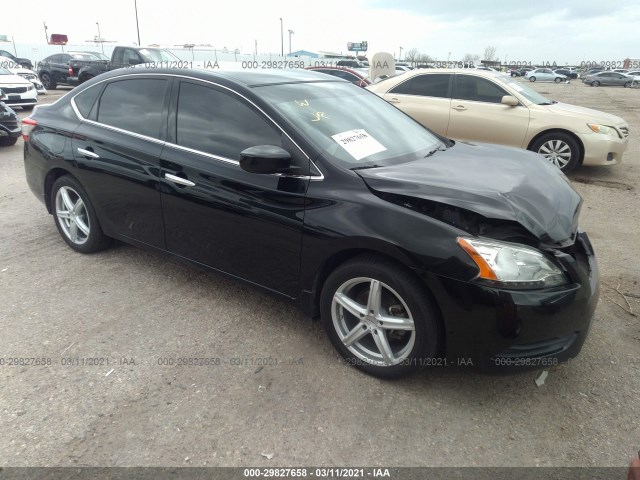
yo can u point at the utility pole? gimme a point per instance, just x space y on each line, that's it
400 56
281 38
135 5
46 36
291 32
100 37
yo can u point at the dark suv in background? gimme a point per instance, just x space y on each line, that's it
55 69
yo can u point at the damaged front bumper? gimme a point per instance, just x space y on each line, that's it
500 330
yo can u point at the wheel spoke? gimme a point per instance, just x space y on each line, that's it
355 334
354 308
67 199
395 323
375 297
73 231
544 149
78 207
83 227
63 214
382 343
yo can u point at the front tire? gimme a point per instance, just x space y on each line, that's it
378 317
75 217
532 79
560 149
628 84
595 84
558 80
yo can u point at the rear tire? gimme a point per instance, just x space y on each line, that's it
28 108
361 325
47 81
532 79
75 217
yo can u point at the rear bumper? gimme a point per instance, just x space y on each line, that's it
503 331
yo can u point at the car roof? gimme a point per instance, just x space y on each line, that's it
246 78
434 71
343 69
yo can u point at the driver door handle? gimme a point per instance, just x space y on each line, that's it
393 100
460 108
179 180
88 153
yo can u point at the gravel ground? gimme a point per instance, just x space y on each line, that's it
282 390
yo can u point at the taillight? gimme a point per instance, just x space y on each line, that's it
70 71
28 124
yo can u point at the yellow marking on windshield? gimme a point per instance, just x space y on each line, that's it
318 116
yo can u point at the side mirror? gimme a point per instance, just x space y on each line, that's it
510 100
265 159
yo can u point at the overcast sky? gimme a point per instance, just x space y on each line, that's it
538 31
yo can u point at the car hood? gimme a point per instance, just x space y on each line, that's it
493 181
589 114
13 80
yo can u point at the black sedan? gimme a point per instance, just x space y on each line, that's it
413 250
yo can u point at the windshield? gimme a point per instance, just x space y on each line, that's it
350 125
157 55
526 92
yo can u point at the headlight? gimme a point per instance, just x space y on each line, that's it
30 87
603 129
511 265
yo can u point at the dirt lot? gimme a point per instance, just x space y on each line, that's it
133 307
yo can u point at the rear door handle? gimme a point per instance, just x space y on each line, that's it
460 108
88 153
179 180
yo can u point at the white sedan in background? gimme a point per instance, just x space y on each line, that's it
19 70
20 92
545 75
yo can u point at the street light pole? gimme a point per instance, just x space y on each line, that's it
400 56
291 32
46 36
100 37
135 5
281 38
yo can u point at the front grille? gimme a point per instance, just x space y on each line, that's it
14 89
552 346
10 124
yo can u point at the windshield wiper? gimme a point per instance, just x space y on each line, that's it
433 151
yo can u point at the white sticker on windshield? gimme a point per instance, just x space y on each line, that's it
358 143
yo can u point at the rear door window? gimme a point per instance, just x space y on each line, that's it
432 85
135 105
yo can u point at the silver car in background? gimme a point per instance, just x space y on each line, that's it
544 75
608 78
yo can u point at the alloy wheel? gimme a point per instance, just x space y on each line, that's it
373 321
72 215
